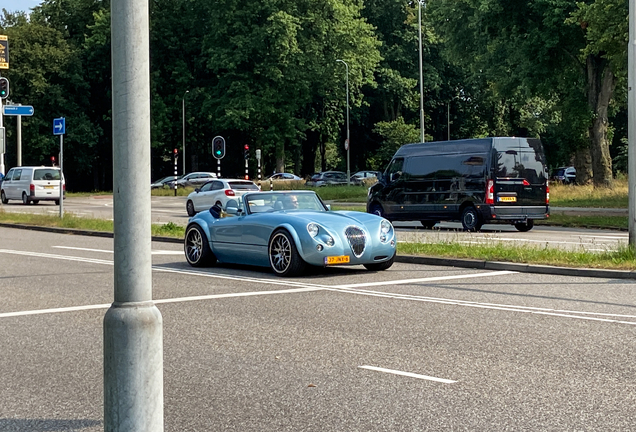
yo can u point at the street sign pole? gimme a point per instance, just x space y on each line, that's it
2 151
61 176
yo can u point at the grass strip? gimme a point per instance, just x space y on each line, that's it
622 259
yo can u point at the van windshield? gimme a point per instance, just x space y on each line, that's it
46 174
520 164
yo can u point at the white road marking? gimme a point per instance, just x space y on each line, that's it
616 237
154 252
408 374
308 287
428 279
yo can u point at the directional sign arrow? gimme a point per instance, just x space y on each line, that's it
15 110
59 126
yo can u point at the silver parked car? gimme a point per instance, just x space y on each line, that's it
194 179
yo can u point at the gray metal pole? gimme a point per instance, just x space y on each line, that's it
348 140
133 328
61 176
419 7
2 171
183 149
631 108
19 137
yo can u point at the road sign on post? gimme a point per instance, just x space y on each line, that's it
19 110
59 126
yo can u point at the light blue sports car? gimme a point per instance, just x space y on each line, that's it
288 230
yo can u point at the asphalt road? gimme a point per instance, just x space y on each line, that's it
172 209
341 349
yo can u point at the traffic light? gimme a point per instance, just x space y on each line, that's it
218 147
175 153
246 151
4 88
53 160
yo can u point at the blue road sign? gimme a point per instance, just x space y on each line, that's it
59 126
16 110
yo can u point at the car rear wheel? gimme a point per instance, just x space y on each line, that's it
284 258
190 209
525 226
3 197
197 249
428 224
380 266
25 198
471 220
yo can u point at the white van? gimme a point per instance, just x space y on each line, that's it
32 185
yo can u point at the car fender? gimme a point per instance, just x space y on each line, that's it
292 231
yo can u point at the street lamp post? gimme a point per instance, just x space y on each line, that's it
183 130
348 142
419 6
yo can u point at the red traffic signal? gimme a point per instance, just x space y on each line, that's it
53 160
246 151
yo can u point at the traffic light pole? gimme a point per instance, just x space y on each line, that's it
218 168
2 171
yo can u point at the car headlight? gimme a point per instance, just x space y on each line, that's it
385 226
312 229
329 241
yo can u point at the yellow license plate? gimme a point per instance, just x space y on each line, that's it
49 187
342 259
507 199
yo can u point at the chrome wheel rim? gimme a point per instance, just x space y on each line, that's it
280 253
469 219
194 245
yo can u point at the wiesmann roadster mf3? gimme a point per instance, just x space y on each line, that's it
287 231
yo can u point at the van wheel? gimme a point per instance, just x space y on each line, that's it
428 224
3 197
35 201
25 198
471 220
525 226
57 202
190 209
377 209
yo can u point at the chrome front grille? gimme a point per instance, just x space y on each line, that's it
357 240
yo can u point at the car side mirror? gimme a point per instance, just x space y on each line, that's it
394 176
197 190
329 207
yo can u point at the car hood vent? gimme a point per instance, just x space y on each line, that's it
357 240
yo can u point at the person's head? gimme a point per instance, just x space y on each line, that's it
291 202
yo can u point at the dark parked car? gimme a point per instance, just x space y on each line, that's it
327 178
564 174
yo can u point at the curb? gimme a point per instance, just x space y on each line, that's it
408 259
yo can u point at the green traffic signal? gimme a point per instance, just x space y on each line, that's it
4 87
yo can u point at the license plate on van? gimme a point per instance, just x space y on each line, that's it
507 199
49 187
341 259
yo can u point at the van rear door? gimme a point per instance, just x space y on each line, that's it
520 172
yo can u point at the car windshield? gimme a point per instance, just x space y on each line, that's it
46 174
288 201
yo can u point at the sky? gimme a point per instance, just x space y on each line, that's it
18 5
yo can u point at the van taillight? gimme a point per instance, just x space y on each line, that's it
526 182
547 194
230 192
32 189
490 192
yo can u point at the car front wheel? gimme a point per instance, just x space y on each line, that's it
197 249
284 258
377 209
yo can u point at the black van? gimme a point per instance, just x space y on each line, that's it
477 181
